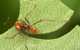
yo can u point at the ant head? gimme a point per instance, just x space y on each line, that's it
17 25
33 30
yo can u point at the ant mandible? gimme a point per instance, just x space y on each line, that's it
23 26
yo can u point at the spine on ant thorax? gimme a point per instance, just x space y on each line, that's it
23 25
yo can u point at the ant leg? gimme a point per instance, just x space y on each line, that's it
21 20
7 21
48 20
26 40
29 13
20 34
13 36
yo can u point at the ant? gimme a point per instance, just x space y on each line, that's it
23 26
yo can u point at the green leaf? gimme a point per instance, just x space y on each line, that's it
53 10
69 41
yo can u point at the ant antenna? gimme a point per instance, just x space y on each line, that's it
7 21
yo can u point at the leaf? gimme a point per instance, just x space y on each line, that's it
69 41
52 10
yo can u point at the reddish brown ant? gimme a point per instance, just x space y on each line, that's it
23 26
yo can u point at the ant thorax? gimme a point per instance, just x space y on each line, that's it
23 25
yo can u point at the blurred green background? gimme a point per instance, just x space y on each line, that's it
8 8
11 8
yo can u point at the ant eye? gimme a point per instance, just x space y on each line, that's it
33 30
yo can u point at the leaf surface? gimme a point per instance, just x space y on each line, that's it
69 41
52 10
